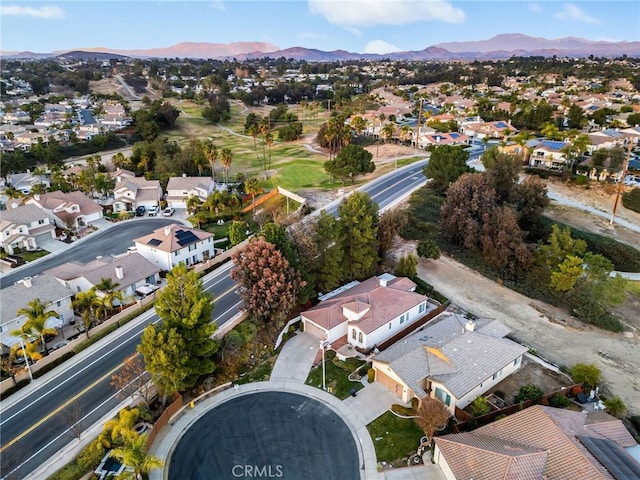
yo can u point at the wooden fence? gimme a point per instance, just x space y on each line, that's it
169 412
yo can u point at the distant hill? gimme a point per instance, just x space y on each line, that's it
498 47
82 55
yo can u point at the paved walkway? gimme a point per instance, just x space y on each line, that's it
296 358
371 402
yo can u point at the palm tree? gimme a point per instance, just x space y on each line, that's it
227 159
359 124
268 139
234 201
254 131
11 192
405 133
133 454
37 316
193 202
387 132
252 187
30 348
215 201
211 154
87 303
110 293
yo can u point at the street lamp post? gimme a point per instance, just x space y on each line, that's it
26 360
323 344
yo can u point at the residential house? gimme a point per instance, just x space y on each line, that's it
515 149
452 359
541 443
498 129
179 189
72 210
23 227
129 271
452 138
168 246
24 182
133 192
42 287
367 313
549 154
605 139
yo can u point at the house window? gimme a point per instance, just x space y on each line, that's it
192 247
58 303
443 396
40 222
497 375
360 338
151 279
422 308
175 254
516 361
389 325
353 333
402 317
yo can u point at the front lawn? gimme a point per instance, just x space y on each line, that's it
337 380
394 438
31 256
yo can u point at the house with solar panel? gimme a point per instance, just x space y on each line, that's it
498 129
168 246
549 154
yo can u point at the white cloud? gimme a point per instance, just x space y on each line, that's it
42 12
535 7
352 13
572 12
217 5
380 46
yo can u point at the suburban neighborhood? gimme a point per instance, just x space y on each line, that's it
271 244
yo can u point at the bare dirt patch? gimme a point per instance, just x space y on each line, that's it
557 336
106 86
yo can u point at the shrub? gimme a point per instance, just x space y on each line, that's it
615 406
331 354
480 406
371 375
529 392
589 374
631 200
402 410
582 180
559 401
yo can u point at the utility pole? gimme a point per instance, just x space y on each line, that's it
418 132
621 180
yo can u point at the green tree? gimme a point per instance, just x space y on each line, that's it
237 232
529 392
277 235
184 306
358 124
37 314
615 406
351 162
88 304
480 406
428 249
503 171
576 117
328 263
559 245
211 154
164 358
252 187
445 166
358 228
567 274
227 160
406 266
589 374
390 224
133 454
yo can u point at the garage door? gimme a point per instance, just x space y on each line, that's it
389 383
314 330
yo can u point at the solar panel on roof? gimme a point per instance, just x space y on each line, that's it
454 135
618 462
185 237
554 144
154 242
501 125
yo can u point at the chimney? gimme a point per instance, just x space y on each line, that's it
470 326
383 282
119 272
167 230
26 281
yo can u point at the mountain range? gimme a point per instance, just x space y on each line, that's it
498 47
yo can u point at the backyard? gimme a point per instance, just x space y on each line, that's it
394 438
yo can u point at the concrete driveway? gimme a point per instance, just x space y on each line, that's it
371 402
296 358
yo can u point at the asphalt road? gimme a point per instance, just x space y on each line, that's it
267 435
34 429
112 241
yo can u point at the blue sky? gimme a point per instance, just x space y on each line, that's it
375 26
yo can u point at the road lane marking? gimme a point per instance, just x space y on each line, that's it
60 408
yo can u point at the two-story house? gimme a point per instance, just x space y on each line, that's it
367 313
23 227
72 210
133 192
452 359
168 246
24 182
549 154
42 287
179 189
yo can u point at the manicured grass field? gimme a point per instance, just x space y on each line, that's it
336 378
298 174
394 438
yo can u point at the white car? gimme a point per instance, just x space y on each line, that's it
153 211
168 211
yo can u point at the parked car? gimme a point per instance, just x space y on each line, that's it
58 345
140 211
153 211
168 211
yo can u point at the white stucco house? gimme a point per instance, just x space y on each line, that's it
367 313
168 246
179 189
129 271
23 227
133 192
68 210
24 182
43 287
452 359
549 154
